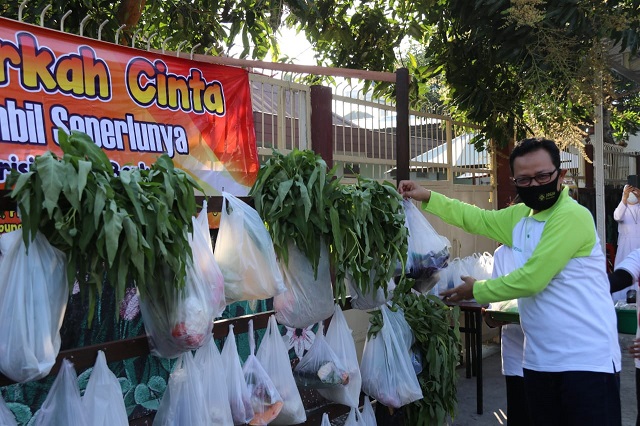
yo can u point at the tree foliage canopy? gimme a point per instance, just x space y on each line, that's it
512 66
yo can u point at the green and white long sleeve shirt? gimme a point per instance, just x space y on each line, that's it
566 311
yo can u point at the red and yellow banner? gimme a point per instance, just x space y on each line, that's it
134 104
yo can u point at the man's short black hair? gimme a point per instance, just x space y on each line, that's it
525 146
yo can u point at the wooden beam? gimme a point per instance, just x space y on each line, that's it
293 68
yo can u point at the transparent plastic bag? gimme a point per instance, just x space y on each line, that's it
265 399
387 372
428 252
102 400
244 251
205 262
368 416
325 420
6 416
320 367
180 320
239 394
183 401
340 340
354 418
373 298
63 405
308 299
33 298
274 358
214 384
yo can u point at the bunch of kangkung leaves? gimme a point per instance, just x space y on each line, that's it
129 227
294 195
363 224
369 235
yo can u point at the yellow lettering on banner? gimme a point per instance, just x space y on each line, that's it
151 83
80 74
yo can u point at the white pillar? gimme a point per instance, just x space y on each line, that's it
598 166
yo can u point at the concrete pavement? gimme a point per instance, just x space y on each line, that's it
495 401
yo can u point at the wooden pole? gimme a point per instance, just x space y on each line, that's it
402 124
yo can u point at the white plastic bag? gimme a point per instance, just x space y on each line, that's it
308 299
183 401
428 252
354 418
274 358
239 395
6 416
265 399
325 420
244 251
214 384
340 340
387 372
368 416
102 400
205 262
180 320
320 367
63 405
33 297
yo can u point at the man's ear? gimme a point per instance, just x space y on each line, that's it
561 177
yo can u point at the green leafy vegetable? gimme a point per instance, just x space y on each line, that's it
369 235
294 195
128 227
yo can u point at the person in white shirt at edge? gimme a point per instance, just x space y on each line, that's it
627 214
625 274
571 352
511 349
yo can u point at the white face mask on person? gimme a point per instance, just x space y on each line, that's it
632 199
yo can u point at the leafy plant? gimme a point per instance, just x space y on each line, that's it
294 194
369 235
437 338
129 227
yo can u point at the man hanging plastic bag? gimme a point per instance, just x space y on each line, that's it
308 298
320 367
63 405
183 402
428 252
33 297
239 394
244 251
180 320
6 416
265 399
214 384
339 338
274 358
387 372
368 417
102 400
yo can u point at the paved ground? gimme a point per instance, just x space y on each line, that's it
495 396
